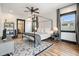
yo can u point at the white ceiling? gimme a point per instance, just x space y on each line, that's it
45 8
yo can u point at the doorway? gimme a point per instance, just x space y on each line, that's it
20 27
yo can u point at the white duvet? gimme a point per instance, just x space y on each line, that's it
43 35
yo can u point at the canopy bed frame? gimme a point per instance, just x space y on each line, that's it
38 32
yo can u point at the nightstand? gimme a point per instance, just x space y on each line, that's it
55 36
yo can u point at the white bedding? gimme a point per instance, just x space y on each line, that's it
43 35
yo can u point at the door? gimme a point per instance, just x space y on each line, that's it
20 26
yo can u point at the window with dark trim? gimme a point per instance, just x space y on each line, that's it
68 22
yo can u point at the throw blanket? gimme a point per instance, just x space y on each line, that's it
36 38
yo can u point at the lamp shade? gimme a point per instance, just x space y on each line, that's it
51 31
55 29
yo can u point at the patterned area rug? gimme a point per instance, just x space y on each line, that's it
27 48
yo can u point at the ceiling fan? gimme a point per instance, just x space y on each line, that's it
32 10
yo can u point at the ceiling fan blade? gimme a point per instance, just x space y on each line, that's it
28 8
37 12
36 9
32 11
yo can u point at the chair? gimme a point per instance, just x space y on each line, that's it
4 34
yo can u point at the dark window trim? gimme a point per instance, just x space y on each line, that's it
76 21
68 31
73 12
68 13
68 41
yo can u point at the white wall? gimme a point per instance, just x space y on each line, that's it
68 9
28 25
11 17
53 16
0 21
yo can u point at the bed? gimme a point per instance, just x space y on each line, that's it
37 37
42 35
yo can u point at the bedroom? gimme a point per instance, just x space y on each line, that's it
48 23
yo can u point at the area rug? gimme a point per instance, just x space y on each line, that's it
28 49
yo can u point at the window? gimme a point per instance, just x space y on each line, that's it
68 22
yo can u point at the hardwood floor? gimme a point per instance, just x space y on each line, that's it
61 49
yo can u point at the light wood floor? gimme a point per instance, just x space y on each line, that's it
60 48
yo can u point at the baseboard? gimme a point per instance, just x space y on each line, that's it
69 41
